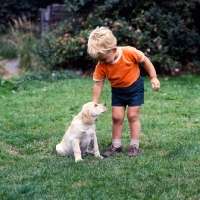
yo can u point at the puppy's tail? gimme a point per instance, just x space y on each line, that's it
59 149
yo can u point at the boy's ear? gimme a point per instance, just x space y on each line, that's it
115 49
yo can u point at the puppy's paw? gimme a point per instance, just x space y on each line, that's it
89 152
79 160
99 156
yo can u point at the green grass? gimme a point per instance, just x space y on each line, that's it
33 119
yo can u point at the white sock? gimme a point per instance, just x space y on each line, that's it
117 143
135 143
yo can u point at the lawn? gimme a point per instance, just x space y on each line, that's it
33 119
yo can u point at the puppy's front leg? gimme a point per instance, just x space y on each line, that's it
77 150
96 147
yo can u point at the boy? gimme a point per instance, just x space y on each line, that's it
120 66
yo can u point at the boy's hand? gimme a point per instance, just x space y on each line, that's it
155 83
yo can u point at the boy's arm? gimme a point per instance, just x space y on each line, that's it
97 89
148 66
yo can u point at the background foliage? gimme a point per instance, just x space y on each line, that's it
167 32
13 9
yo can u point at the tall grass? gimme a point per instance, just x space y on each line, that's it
7 51
33 120
23 39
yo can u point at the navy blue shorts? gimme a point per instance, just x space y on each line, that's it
132 95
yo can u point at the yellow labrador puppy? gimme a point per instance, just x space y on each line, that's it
81 132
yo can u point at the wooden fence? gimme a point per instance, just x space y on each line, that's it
51 15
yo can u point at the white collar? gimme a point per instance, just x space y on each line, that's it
119 56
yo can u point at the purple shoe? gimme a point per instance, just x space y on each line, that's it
133 151
112 150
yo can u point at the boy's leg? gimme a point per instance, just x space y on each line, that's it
117 127
135 129
118 113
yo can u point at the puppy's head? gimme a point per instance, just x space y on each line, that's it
91 111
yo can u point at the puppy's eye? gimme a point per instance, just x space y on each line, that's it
95 105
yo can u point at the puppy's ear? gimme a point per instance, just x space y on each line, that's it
86 117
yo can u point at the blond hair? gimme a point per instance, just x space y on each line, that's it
100 42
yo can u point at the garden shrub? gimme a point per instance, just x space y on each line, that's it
62 49
8 50
163 30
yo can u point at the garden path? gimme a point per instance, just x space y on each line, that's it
9 68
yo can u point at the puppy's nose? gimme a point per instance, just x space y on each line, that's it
104 104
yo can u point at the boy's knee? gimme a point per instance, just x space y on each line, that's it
117 120
133 118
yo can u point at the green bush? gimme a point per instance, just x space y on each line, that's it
8 50
62 48
163 30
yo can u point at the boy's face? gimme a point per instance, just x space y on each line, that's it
109 57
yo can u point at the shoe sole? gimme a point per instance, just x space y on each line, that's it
118 151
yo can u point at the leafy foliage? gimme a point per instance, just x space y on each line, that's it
8 50
163 30
57 50
167 32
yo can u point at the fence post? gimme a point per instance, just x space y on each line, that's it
51 16
44 19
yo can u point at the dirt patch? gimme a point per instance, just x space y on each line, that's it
9 68
11 150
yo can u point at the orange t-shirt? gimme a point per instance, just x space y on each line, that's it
124 71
